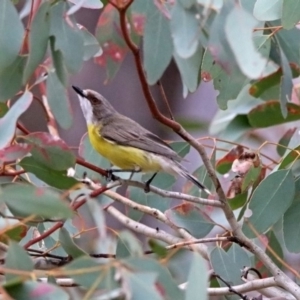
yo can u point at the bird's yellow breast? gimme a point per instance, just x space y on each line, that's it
124 157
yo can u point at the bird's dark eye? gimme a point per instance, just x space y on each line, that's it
93 100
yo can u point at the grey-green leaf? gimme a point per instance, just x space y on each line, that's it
239 31
38 39
265 10
27 200
11 33
158 46
58 101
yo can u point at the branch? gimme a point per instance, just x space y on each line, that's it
141 228
202 249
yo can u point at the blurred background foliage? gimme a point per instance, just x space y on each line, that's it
225 70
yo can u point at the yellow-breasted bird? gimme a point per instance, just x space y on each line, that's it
125 143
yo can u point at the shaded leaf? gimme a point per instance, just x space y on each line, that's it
92 4
11 34
128 245
223 165
8 123
69 245
17 259
88 272
157 248
26 200
91 45
158 46
58 101
17 233
266 205
38 39
275 247
189 69
181 148
54 178
238 201
11 78
291 228
50 151
68 40
191 218
285 140
259 117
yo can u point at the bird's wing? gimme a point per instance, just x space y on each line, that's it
127 132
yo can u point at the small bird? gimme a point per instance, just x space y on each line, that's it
125 143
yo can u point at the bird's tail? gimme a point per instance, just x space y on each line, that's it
195 181
184 173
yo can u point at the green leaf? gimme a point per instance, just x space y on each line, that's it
261 88
16 233
291 228
251 177
238 201
286 84
158 46
285 140
54 178
266 205
38 39
11 34
68 40
50 151
189 69
157 248
265 10
17 259
128 245
58 101
274 244
239 28
259 117
26 200
59 64
191 218
290 13
11 78
69 245
197 279
8 123
3 109
36 291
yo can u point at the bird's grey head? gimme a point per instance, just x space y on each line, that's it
94 106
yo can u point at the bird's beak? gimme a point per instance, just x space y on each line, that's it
79 91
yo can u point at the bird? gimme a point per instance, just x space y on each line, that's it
125 143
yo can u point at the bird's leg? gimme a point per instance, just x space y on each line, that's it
147 183
111 171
